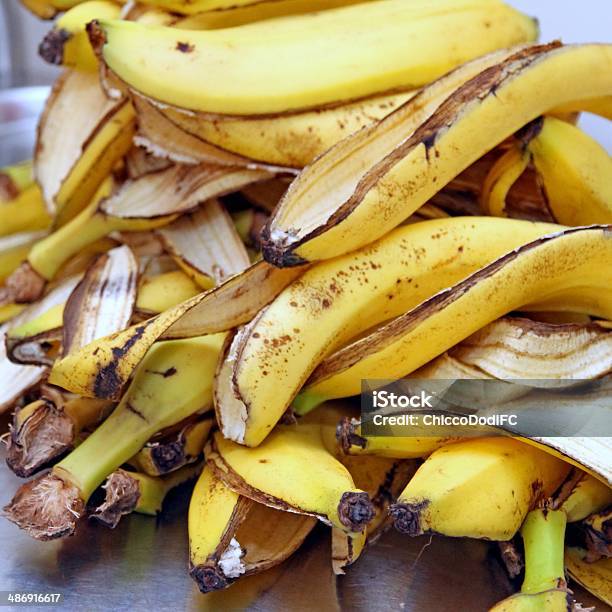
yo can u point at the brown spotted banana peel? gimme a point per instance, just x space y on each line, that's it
573 281
385 172
269 360
231 536
595 577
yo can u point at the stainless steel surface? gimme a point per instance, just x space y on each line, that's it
19 111
142 565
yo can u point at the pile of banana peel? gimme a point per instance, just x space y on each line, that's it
237 211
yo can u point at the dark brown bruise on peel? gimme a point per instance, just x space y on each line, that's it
184 47
8 188
46 508
51 48
46 435
402 325
407 517
279 249
108 382
23 286
97 36
122 493
347 436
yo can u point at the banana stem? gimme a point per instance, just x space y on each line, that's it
121 436
543 534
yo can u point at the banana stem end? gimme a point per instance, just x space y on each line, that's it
122 495
355 510
407 517
46 508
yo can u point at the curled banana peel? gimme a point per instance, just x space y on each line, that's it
544 587
449 317
338 300
78 310
502 176
595 577
206 245
478 488
48 428
127 492
170 452
571 168
67 44
399 163
231 536
179 375
393 54
326 490
82 135
290 140
103 367
17 378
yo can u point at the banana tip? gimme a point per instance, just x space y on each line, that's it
51 48
209 578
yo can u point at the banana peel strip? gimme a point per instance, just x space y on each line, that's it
206 241
519 348
75 116
412 146
287 140
102 368
176 190
582 247
164 139
103 302
594 577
